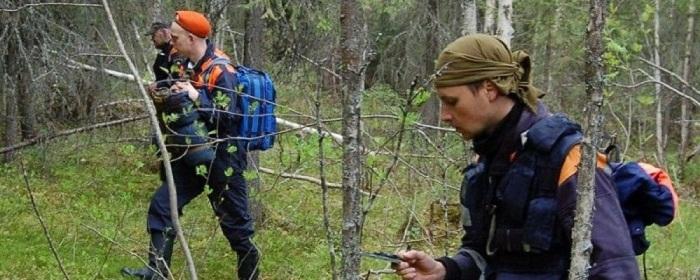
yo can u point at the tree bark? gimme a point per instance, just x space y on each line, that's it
430 111
585 191
253 57
352 42
505 21
685 123
23 88
657 90
469 17
490 17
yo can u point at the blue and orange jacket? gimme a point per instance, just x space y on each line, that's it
490 224
218 106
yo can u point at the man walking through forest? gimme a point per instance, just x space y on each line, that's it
518 205
211 87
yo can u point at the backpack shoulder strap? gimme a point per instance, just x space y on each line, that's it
211 74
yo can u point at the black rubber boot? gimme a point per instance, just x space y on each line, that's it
248 265
159 255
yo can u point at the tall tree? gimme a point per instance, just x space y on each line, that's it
504 29
23 88
685 116
549 52
352 43
593 122
657 88
11 66
430 112
253 57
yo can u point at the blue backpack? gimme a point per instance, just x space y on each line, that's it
258 125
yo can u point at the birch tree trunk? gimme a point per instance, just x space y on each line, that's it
585 191
657 90
505 21
685 124
352 41
490 17
470 20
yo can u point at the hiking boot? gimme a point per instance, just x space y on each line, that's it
159 255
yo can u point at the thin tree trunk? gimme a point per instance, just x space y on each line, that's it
352 42
11 62
253 57
25 100
217 15
685 124
657 90
469 22
430 111
585 191
505 21
161 145
490 17
549 52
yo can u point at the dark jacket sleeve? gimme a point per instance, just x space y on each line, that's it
161 70
460 266
612 256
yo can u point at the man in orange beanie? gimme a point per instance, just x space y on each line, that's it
211 88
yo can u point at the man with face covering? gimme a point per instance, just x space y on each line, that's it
517 209
166 66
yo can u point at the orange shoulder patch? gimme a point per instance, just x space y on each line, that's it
570 166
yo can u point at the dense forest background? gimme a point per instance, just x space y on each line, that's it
77 169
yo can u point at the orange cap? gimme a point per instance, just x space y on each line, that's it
193 22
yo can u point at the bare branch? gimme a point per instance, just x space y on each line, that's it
68 132
667 86
25 6
681 80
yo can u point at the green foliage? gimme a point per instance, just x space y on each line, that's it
221 100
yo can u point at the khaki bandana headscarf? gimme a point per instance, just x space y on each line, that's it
479 57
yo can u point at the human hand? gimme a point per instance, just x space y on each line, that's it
192 93
417 265
152 87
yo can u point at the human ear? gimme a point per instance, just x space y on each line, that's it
491 90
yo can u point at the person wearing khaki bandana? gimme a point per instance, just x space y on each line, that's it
518 199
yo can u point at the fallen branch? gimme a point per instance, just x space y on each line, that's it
68 132
303 178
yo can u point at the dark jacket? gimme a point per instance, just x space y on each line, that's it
218 107
612 256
